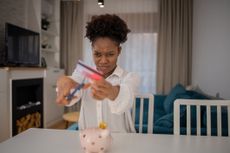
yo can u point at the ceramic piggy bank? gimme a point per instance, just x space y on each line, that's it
96 140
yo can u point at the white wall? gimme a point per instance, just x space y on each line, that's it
211 47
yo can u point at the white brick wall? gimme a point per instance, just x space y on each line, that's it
12 11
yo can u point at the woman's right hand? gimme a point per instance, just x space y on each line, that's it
64 85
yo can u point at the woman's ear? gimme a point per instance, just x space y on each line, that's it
119 50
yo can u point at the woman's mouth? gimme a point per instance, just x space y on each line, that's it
102 68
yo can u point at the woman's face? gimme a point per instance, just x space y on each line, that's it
105 55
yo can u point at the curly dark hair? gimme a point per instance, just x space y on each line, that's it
107 25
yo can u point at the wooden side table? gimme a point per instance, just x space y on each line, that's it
70 117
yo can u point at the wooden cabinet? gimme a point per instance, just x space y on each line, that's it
50 51
4 117
52 112
3 83
4 107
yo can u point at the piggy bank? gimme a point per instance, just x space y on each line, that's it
95 140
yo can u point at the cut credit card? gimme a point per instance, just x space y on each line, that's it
88 71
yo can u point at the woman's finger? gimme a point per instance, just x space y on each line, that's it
61 96
86 85
98 95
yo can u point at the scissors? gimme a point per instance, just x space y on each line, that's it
79 87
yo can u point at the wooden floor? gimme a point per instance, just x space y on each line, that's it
59 125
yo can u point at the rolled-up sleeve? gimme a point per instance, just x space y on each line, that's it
128 87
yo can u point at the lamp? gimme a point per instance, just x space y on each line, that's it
101 3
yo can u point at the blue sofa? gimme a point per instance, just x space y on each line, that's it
163 113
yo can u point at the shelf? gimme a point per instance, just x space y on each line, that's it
50 50
49 33
50 38
50 18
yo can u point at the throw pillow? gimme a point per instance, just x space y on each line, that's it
168 103
165 121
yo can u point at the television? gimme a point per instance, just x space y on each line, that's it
22 47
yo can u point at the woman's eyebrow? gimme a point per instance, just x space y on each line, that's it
109 52
96 51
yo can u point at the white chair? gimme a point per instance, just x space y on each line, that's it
139 110
219 104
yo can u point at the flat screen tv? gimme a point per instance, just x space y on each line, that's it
22 47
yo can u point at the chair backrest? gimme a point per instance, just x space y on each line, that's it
142 113
214 111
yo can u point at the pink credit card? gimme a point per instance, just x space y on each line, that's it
88 71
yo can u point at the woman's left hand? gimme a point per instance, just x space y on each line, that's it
102 89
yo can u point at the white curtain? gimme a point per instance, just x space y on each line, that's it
139 52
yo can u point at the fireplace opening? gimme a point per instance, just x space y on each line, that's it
27 104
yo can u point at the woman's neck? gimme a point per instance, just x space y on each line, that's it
111 72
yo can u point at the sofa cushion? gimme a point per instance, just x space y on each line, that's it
159 107
194 95
162 130
203 131
172 96
224 117
183 117
145 111
165 121
144 128
73 127
193 110
158 113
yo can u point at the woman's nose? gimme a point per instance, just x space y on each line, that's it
103 59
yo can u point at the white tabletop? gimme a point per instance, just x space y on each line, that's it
64 141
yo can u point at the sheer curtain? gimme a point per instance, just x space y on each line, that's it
139 52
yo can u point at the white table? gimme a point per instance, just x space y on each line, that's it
64 141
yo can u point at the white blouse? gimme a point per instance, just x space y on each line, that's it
116 114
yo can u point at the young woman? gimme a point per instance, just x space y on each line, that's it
110 99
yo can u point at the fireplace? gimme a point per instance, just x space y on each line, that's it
27 104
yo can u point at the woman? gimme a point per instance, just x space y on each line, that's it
109 99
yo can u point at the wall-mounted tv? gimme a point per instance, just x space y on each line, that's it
22 47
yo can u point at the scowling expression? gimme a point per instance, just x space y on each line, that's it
105 55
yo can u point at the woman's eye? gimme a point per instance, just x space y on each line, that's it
109 55
97 55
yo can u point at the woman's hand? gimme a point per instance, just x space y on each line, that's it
64 85
102 89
